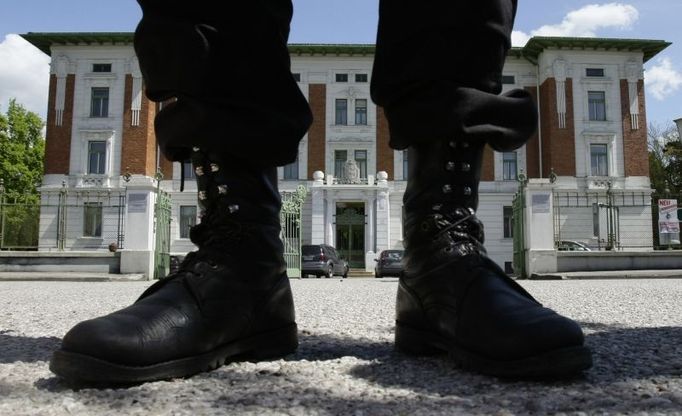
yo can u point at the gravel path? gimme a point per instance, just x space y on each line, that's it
346 364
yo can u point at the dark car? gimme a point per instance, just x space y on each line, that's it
567 245
322 260
389 263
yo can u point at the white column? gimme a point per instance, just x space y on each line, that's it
138 255
383 235
539 227
317 221
370 254
329 221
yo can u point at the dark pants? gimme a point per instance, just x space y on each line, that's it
230 71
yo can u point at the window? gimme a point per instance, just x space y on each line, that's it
97 156
508 79
341 111
406 165
594 72
297 77
188 170
101 67
92 219
507 222
99 104
509 166
291 170
599 160
360 77
340 157
596 101
361 112
341 77
361 160
188 219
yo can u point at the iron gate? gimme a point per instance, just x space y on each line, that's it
162 223
290 218
518 211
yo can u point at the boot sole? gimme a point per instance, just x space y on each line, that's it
82 368
561 363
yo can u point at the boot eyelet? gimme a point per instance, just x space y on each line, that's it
425 226
452 144
222 189
466 191
465 145
437 207
466 167
199 170
450 166
448 249
195 149
202 195
233 208
214 167
447 189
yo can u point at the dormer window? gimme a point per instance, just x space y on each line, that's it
594 72
101 67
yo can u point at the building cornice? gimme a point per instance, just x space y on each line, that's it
531 51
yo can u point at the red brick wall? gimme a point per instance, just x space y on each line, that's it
317 97
139 142
384 151
488 166
558 145
635 150
532 149
58 138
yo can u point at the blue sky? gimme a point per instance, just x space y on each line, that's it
23 69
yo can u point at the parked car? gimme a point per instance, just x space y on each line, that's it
389 263
567 245
322 260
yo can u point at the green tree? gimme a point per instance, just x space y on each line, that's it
22 149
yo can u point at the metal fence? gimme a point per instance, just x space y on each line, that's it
61 219
290 218
604 220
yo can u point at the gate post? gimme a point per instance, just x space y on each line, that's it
138 255
539 227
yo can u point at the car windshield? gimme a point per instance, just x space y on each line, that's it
393 255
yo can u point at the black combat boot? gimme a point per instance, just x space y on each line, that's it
230 299
452 297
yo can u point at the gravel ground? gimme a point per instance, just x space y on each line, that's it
346 364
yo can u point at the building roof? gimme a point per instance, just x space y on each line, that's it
535 46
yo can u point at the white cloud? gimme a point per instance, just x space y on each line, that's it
24 75
662 79
519 38
586 21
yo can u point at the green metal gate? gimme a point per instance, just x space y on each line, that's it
162 222
518 207
290 218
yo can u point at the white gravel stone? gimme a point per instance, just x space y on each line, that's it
346 364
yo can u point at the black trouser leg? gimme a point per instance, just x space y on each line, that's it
229 68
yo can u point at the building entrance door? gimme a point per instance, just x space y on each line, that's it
350 233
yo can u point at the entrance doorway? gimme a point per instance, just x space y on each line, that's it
350 232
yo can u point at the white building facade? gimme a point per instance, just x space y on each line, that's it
591 141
